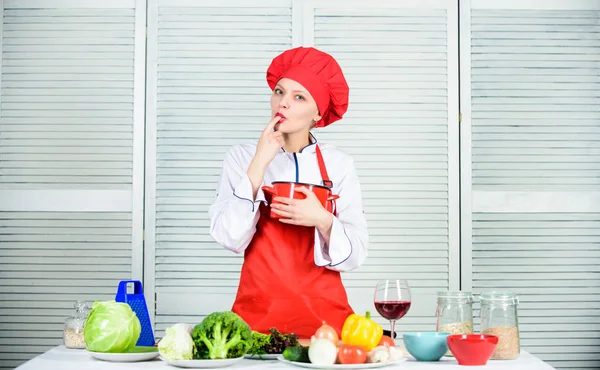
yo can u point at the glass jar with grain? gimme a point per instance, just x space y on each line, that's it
73 331
499 317
455 313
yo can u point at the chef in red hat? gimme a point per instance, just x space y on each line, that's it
290 278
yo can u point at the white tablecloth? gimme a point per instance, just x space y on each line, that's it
61 358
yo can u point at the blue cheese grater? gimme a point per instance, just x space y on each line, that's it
137 302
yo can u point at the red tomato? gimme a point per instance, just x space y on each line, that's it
349 354
387 341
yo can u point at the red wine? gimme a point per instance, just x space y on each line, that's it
392 310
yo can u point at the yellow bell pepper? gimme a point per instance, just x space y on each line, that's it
361 331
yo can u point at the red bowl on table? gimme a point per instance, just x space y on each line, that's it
472 349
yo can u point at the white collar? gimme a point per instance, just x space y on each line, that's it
310 148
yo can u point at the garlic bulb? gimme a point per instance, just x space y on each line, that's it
385 354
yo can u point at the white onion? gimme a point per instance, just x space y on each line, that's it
322 352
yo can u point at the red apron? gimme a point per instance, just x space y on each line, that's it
280 285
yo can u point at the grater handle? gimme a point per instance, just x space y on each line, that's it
137 287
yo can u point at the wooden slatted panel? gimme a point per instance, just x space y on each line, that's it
552 261
66 144
67 98
48 260
211 94
396 129
536 149
536 100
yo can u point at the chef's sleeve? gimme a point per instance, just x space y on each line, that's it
234 214
349 240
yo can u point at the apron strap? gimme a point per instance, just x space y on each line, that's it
322 168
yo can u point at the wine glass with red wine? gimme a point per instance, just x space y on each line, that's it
392 300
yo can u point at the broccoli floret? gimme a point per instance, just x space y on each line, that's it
222 335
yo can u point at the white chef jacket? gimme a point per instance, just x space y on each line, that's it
234 214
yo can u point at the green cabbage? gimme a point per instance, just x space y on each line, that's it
177 344
111 327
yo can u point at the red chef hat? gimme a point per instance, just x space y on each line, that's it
320 74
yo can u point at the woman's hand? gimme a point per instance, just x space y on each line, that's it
269 144
303 212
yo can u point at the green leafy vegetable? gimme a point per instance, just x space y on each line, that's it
260 342
273 343
111 327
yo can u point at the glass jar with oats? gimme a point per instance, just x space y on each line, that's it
499 317
73 330
455 313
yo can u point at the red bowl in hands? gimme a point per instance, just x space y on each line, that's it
472 349
288 190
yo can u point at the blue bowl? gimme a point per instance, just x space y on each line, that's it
426 346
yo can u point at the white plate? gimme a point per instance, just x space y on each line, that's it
202 364
268 356
124 357
340 366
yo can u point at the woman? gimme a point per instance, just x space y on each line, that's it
290 279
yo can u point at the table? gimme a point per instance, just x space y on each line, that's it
61 358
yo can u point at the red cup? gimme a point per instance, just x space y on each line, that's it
472 349
288 190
